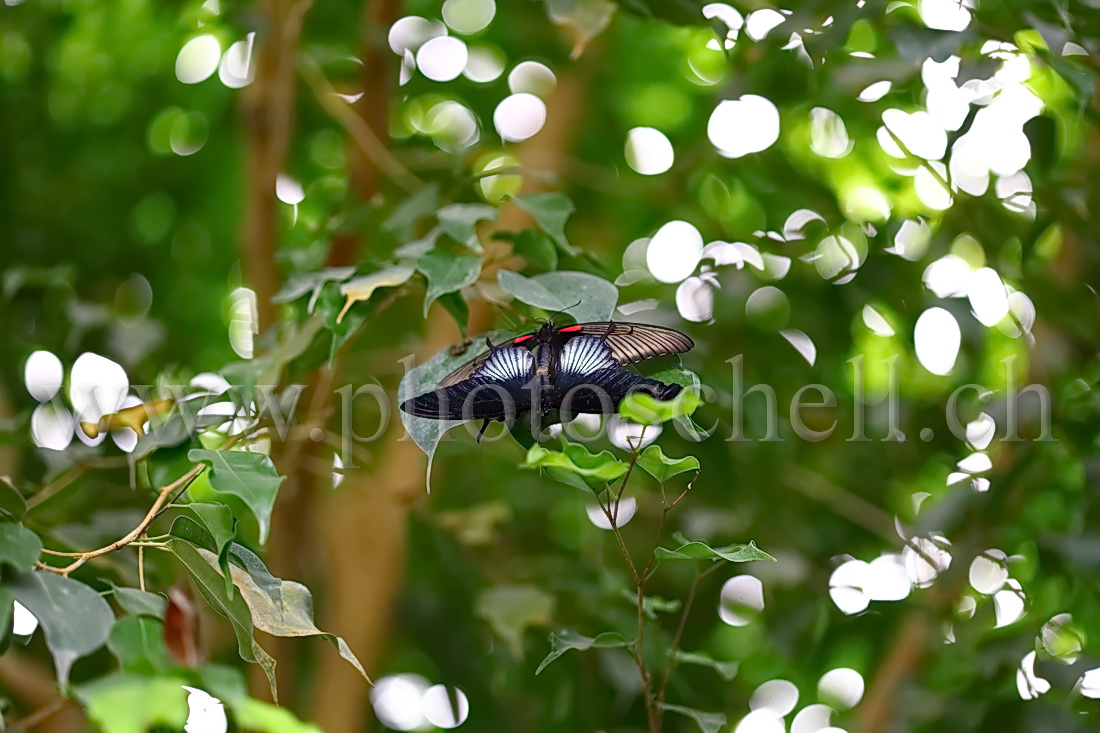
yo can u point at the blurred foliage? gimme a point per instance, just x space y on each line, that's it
126 216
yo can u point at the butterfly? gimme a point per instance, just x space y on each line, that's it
575 369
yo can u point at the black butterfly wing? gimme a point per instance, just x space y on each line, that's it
495 390
631 342
467 370
588 378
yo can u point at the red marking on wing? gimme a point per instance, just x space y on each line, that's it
569 329
521 339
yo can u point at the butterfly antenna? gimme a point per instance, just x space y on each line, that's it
558 313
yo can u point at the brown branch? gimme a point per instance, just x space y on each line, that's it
268 107
22 679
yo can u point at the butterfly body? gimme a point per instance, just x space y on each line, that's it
576 369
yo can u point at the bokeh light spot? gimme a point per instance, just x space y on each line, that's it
743 126
42 375
441 711
468 16
742 598
519 117
937 338
674 251
198 59
648 151
533 78
842 688
442 58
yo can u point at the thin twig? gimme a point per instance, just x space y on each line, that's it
165 497
637 651
41 715
141 566
357 128
136 532
49 490
699 577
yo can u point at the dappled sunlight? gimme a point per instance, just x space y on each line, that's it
830 267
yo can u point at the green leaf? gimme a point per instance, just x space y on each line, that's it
360 289
459 309
126 703
654 462
311 282
7 612
138 644
584 296
596 469
211 585
188 529
537 248
648 410
726 670
698 550
511 609
19 547
75 619
551 211
283 611
567 640
460 221
251 477
407 213
707 722
678 375
140 602
253 714
651 605
12 503
447 273
219 521
226 683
